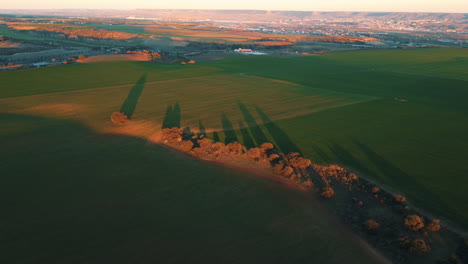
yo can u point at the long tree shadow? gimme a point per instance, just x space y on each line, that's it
347 158
322 155
202 129
228 130
405 181
246 138
283 141
129 105
255 129
216 137
173 116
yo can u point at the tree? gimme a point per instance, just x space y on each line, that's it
419 246
371 224
119 118
414 222
434 226
399 198
254 153
327 193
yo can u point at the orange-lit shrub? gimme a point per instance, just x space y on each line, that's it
371 224
327 193
118 118
414 222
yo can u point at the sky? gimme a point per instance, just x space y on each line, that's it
449 6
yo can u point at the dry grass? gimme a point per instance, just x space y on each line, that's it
202 99
118 57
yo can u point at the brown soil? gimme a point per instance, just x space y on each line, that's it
75 32
114 58
53 109
8 44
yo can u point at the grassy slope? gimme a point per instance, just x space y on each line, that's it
416 147
89 76
69 195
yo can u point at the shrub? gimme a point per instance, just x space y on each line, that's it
118 118
186 145
404 242
235 148
434 226
301 163
371 224
204 143
327 193
399 198
278 168
273 157
254 153
414 222
288 171
308 183
172 135
266 146
419 246
353 177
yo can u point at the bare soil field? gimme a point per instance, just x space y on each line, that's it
224 99
116 57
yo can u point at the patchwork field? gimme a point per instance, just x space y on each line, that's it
413 139
222 102
398 117
70 195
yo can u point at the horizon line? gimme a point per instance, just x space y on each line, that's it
231 9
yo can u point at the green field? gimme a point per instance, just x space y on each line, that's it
69 195
398 117
416 147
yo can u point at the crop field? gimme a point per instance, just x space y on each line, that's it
222 101
413 139
398 117
80 190
71 195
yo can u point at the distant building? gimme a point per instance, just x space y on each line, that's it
41 64
242 50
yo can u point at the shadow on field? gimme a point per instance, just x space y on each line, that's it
346 157
228 130
80 203
129 105
324 157
283 141
255 129
216 137
388 173
202 129
187 133
172 117
386 168
246 138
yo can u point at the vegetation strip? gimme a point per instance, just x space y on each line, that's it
383 218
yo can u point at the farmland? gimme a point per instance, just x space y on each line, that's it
397 117
71 195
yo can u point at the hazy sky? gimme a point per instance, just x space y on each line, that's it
458 6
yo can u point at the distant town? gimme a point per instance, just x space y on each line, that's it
36 38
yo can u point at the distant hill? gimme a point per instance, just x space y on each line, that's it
236 15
